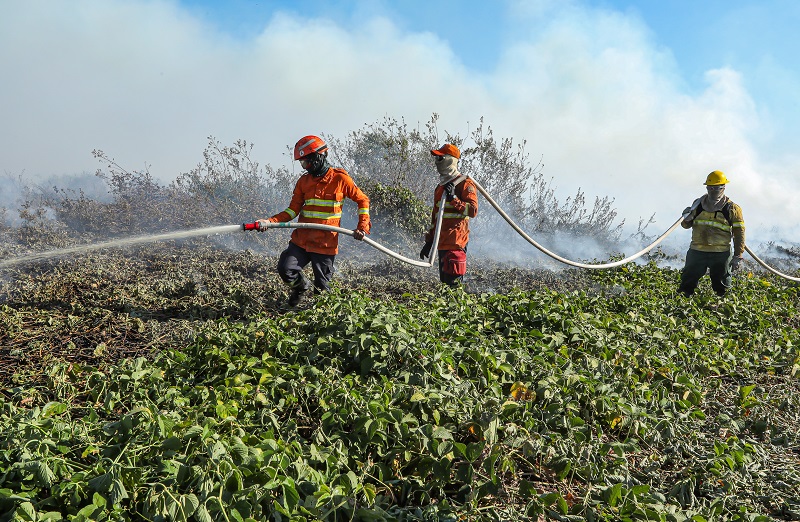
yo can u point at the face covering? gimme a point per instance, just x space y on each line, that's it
447 166
715 199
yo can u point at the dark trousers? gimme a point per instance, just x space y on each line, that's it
718 265
294 259
449 279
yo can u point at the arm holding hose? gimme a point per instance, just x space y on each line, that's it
361 199
289 214
689 213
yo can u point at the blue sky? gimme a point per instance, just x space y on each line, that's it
632 100
749 36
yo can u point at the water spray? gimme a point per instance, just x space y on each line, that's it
224 229
115 243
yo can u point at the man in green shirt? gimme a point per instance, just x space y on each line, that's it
714 220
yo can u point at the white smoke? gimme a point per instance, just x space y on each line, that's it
588 89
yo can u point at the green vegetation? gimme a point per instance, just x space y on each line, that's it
166 383
617 401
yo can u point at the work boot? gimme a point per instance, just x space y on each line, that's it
297 293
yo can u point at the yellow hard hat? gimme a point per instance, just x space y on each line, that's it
716 178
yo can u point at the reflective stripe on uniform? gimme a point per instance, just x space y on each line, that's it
323 202
291 213
714 224
363 211
335 211
454 215
320 215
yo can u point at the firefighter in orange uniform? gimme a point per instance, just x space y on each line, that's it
317 198
461 205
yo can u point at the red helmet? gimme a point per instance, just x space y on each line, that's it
309 145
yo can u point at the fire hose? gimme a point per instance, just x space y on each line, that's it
557 257
628 259
529 239
424 264
769 268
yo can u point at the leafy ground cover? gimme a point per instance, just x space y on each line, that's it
170 385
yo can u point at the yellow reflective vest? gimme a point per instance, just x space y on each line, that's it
713 231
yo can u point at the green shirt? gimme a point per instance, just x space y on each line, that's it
711 231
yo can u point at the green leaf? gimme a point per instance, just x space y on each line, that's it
241 452
217 451
26 511
187 504
527 489
353 480
418 397
99 500
744 391
563 507
442 433
290 495
172 443
8 494
548 499
54 408
202 514
613 494
44 475
101 483
233 482
117 493
89 511
474 451
165 425
192 432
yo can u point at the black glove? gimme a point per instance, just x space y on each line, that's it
450 191
426 250
735 263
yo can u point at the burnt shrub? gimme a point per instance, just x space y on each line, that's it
389 160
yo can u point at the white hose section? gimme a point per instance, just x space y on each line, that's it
415 262
616 263
564 260
766 266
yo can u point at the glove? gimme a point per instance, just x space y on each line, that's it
450 191
261 224
735 262
687 214
426 250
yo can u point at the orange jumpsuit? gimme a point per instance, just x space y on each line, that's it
457 213
319 200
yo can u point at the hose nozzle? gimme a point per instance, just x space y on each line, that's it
250 226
